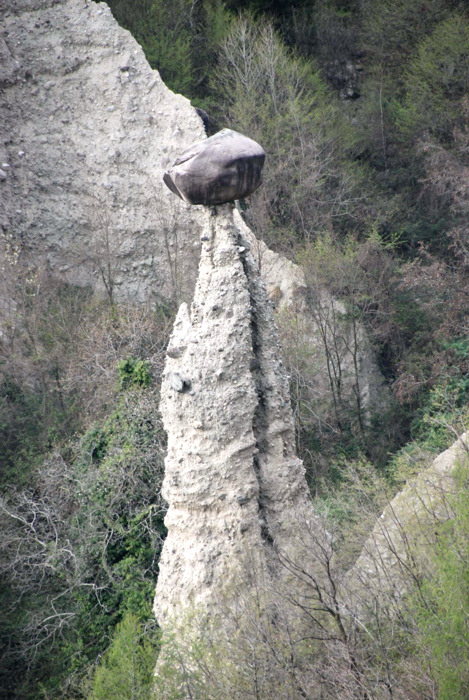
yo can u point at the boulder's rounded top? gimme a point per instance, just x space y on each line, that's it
220 169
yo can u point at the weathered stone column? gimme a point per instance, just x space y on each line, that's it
233 483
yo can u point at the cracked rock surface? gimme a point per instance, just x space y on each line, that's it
233 482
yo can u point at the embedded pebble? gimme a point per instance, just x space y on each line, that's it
177 382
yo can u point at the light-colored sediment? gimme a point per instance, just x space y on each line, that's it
403 539
234 485
87 130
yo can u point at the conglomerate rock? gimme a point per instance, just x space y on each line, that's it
235 488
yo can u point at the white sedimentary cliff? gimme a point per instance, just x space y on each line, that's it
87 130
403 538
234 485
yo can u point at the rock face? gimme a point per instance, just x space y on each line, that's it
234 486
87 130
221 169
401 538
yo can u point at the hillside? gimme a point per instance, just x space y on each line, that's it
360 234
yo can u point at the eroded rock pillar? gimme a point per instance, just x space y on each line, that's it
233 483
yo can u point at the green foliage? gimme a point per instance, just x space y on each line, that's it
95 545
36 411
442 607
407 462
234 655
82 535
392 28
459 346
405 106
441 416
350 498
22 433
126 669
133 373
280 100
446 409
168 44
349 288
438 81
179 38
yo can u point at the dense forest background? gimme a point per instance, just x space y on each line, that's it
363 110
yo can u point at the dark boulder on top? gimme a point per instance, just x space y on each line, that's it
224 167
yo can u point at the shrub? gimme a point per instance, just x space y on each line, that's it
133 372
126 669
441 608
438 80
80 547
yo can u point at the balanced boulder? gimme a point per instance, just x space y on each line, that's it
224 167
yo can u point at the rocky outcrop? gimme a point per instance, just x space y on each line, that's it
234 486
397 549
87 130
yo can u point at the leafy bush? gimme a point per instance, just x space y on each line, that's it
280 100
90 529
442 605
438 80
133 372
179 39
126 670
392 28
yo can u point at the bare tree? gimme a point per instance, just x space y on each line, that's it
321 629
278 100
